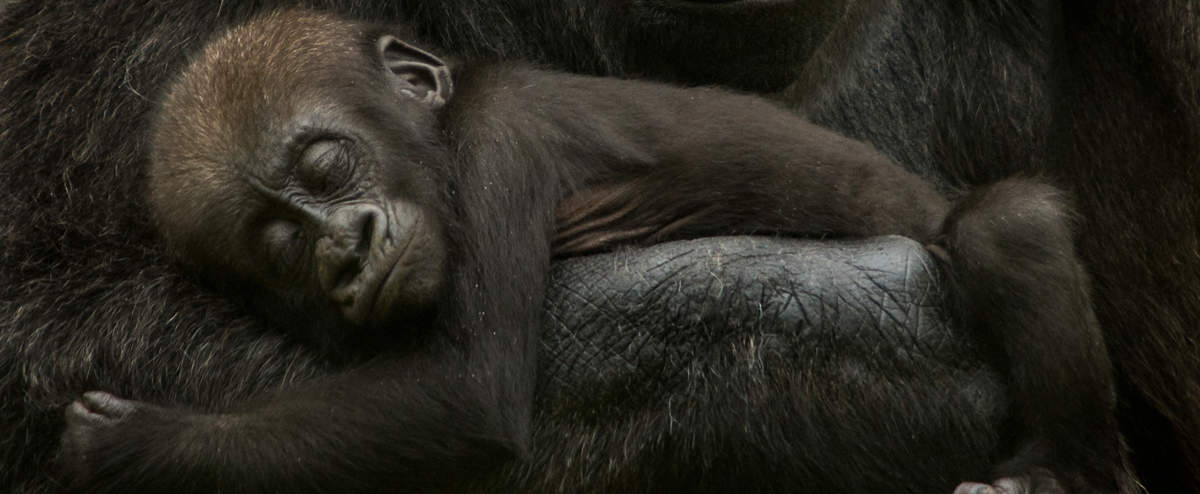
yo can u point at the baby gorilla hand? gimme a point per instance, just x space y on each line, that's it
104 438
97 409
91 420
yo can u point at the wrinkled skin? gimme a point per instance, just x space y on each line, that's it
744 326
1104 103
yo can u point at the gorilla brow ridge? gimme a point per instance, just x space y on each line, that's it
241 70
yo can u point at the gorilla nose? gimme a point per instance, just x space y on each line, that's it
344 250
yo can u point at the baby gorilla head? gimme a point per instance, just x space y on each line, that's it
305 176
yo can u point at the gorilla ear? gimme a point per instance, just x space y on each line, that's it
419 74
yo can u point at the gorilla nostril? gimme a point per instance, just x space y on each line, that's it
344 250
347 250
348 273
366 234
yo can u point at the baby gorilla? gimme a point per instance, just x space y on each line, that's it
357 190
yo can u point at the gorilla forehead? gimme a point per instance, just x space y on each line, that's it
222 132
250 83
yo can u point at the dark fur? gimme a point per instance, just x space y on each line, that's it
457 400
1102 99
1071 108
687 162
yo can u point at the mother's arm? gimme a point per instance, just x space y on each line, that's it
764 364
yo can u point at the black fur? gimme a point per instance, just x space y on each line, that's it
1098 98
1103 101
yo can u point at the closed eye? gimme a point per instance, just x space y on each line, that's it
324 166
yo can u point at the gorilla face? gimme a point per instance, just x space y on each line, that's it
317 200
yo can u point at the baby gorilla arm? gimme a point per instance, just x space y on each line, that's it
645 162
726 163
354 433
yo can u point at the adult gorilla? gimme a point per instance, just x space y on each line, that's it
722 364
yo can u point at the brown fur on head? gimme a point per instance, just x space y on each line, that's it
292 162
225 111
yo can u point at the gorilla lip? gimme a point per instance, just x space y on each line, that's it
380 288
